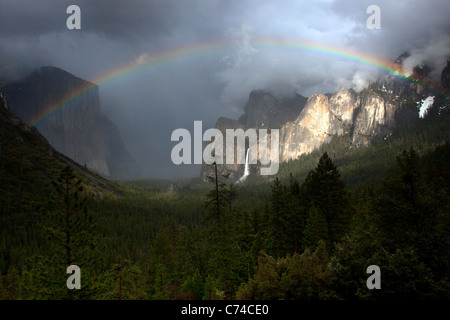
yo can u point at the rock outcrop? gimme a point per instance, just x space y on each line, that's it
27 160
233 170
375 116
264 110
314 125
77 128
373 112
445 78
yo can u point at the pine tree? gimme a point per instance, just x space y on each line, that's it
295 216
218 199
13 283
71 233
316 228
277 220
126 281
224 259
401 209
412 216
326 191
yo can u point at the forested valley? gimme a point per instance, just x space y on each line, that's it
308 233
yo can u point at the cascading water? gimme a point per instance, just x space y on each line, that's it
246 170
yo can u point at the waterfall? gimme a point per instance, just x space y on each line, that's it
246 170
247 167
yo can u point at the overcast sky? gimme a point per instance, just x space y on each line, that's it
149 105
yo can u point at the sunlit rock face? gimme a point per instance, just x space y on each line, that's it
343 104
321 118
309 130
361 115
375 117
372 113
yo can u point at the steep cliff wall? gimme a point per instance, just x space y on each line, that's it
78 129
375 116
373 112
264 110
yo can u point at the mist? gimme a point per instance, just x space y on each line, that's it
147 105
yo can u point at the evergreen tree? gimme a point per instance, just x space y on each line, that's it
411 215
277 219
225 256
316 228
298 276
326 191
218 199
126 281
13 283
295 216
71 234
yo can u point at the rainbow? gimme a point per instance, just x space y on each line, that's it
220 47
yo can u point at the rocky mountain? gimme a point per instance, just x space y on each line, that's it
445 78
374 112
234 170
29 164
264 110
78 129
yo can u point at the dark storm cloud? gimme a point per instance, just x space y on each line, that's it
117 19
30 18
419 27
148 106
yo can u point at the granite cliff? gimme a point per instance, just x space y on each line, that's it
78 129
263 110
306 123
29 164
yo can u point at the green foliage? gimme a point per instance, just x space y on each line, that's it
326 191
300 277
316 228
308 233
125 281
404 276
71 231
